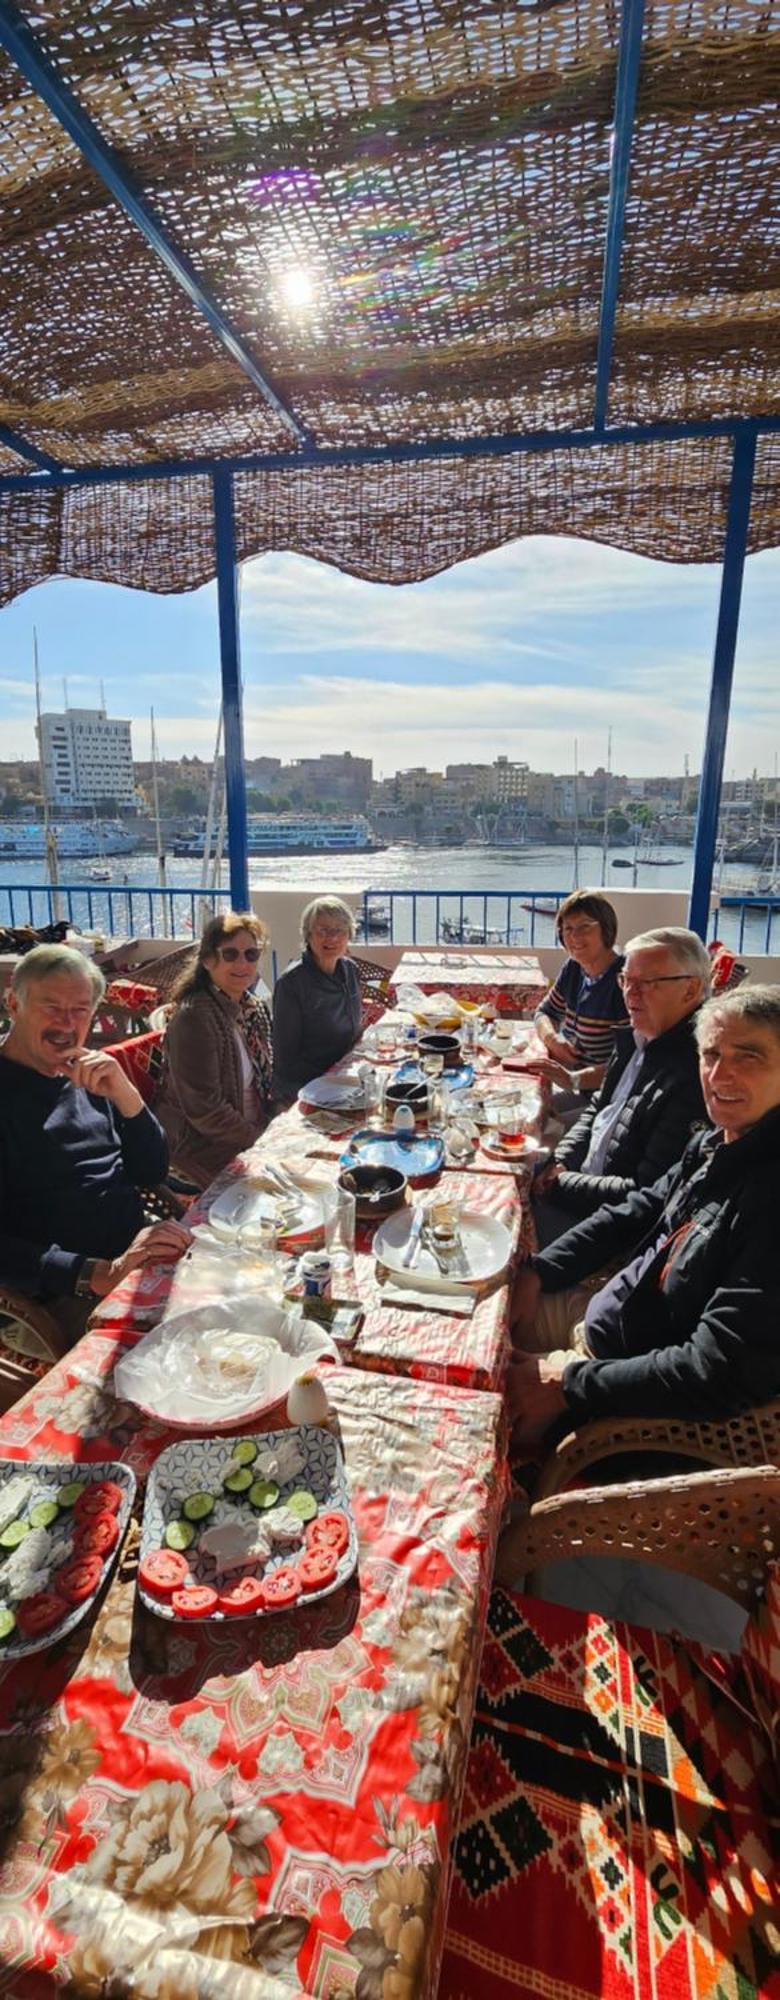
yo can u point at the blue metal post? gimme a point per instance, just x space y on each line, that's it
722 675
230 656
629 56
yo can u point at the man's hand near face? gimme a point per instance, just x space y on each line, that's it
100 1073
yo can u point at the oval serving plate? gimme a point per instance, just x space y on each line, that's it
244 1206
458 1079
48 1479
420 1159
199 1465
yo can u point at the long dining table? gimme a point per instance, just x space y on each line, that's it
263 1809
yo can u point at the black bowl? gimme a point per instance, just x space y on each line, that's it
377 1190
444 1045
408 1090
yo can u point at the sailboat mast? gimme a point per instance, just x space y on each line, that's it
157 833
607 790
576 820
208 837
50 838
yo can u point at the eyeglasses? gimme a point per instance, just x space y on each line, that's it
578 932
629 985
230 953
329 936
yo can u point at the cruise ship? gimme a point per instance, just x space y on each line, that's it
25 840
299 833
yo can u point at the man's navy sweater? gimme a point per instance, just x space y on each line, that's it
70 1170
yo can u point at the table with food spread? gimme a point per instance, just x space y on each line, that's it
244 1806
511 982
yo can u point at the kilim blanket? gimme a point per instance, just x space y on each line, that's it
618 1824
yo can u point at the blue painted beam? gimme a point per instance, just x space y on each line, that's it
737 526
503 445
23 48
629 57
24 450
230 660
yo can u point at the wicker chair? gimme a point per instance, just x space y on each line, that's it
722 1527
750 1439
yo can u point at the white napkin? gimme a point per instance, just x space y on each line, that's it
459 1305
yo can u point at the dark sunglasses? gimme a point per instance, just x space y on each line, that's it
230 953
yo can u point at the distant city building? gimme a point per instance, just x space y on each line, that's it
86 757
333 775
510 782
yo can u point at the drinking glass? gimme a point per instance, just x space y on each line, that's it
340 1229
432 1066
438 1105
512 1125
385 1037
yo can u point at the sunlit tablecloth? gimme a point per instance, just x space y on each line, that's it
263 1810
512 982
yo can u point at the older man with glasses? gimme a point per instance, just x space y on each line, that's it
687 1326
640 1120
77 1146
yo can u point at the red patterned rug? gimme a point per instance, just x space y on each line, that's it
618 1821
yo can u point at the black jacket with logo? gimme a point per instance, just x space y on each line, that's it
652 1129
690 1328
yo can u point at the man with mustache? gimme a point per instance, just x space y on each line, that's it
77 1144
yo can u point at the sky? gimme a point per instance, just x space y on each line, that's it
522 652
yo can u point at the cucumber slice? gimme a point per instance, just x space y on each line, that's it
264 1494
14 1534
199 1506
43 1513
239 1479
245 1452
69 1494
7 1622
179 1535
303 1504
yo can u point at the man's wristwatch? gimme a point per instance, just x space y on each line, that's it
84 1279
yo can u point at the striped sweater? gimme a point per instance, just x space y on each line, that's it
587 1012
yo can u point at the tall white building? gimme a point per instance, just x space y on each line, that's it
86 758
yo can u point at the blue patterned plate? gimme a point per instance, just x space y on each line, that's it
198 1465
455 1079
420 1159
46 1479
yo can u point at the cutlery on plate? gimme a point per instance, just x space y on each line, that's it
414 1237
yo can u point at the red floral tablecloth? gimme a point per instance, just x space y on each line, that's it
512 983
259 1811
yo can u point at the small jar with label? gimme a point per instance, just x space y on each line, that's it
316 1274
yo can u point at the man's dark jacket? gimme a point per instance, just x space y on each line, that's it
691 1328
653 1126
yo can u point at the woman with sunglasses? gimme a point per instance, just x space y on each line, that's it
215 1094
318 1010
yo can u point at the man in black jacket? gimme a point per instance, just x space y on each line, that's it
77 1143
641 1119
690 1326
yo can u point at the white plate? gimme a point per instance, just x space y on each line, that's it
486 1247
343 1092
201 1463
246 1204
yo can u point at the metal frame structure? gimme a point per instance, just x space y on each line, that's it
19 42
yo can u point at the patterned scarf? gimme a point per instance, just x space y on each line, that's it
254 1021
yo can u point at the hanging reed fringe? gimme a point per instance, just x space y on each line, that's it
440 168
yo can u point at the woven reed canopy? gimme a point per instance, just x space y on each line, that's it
401 209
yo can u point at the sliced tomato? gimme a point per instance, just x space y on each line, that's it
281 1588
96 1537
240 1599
77 1579
318 1568
197 1601
163 1571
40 1613
105 1497
329 1531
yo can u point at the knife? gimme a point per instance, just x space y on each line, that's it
414 1237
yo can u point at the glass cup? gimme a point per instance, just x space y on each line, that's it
432 1066
385 1037
340 1229
512 1125
438 1106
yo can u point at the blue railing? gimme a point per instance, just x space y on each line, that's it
524 917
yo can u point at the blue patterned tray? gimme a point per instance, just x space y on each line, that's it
420 1159
199 1464
49 1477
455 1079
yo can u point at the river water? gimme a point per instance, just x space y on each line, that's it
450 872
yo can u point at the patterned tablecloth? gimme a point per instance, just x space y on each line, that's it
428 1346
259 1811
512 983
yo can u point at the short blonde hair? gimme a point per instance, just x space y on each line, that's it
48 961
326 906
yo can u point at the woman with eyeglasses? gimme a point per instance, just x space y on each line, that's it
318 1010
215 1093
584 1011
